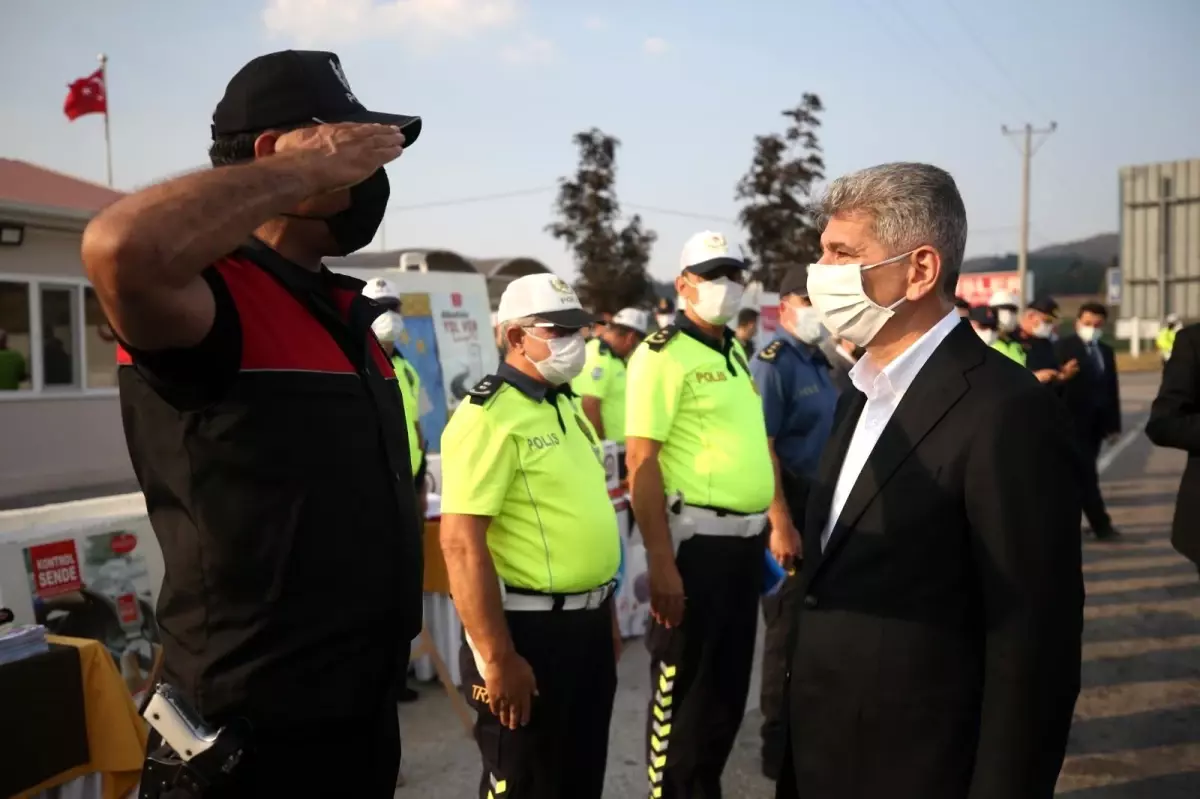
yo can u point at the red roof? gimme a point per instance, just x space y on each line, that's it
26 184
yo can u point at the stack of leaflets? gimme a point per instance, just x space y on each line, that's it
18 641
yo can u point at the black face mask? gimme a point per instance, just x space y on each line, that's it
354 227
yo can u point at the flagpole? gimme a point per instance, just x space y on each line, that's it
107 138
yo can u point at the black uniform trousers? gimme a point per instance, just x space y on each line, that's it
357 757
563 750
1093 502
700 670
779 616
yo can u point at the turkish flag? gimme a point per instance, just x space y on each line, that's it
86 96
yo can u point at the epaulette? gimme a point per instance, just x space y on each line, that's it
657 340
770 352
484 389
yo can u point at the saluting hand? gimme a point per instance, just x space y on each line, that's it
338 156
666 590
511 688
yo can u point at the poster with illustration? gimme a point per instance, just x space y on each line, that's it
97 586
465 341
418 345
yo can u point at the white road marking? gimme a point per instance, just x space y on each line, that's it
1131 435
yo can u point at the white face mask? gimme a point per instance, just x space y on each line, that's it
717 301
1006 320
566 359
1043 330
836 290
664 320
804 322
988 337
1088 333
388 327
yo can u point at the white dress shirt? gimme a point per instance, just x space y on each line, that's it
884 389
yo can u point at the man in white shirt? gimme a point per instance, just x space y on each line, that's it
937 653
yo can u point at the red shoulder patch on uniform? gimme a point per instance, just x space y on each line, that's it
278 333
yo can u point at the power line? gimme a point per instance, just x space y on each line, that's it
987 54
481 198
650 209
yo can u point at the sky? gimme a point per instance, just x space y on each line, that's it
686 85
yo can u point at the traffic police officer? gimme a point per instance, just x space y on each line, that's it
798 398
1003 306
389 329
601 384
701 478
532 551
1034 336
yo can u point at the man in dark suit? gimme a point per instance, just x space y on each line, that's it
1175 422
938 647
1094 402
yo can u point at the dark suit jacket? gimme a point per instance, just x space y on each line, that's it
1175 422
1093 396
938 648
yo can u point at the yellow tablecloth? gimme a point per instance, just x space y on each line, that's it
116 733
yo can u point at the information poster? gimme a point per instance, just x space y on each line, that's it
465 342
418 345
97 586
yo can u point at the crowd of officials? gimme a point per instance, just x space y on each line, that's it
904 488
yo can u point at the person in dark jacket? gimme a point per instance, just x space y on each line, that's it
1175 422
1093 399
267 432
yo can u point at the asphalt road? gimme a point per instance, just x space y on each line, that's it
1137 722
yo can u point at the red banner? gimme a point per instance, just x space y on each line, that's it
55 568
977 288
127 608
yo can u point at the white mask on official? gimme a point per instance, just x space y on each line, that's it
565 361
987 336
804 322
663 320
1088 333
718 300
1006 319
1043 330
836 290
388 327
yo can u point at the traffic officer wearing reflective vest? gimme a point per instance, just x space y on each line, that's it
532 551
601 384
701 478
1003 306
798 398
389 329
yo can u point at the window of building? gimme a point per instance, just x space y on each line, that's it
15 368
99 343
59 362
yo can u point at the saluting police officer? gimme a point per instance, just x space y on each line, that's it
798 397
601 384
701 478
531 546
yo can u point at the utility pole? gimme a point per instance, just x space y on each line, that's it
1027 151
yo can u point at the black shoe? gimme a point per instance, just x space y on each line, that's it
407 695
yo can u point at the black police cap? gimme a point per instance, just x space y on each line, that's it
1045 305
983 316
292 88
794 281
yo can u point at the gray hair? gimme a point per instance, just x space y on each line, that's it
524 321
910 205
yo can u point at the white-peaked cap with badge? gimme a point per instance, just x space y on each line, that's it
544 296
379 288
632 318
707 252
1003 299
